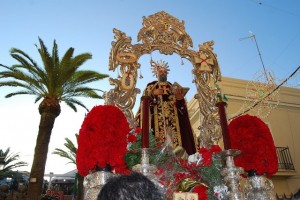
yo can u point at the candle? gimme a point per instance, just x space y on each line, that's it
145 121
224 125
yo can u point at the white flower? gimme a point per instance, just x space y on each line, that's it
195 158
221 191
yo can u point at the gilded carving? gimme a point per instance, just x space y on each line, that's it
166 34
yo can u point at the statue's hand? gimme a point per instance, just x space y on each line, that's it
178 92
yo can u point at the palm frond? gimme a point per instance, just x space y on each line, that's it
19 93
11 160
80 59
65 67
45 56
28 82
29 87
87 76
12 84
39 97
64 154
65 62
71 105
70 145
81 92
70 154
71 101
15 50
32 68
55 57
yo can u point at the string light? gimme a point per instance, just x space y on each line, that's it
244 111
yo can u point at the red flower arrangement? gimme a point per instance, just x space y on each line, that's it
201 190
102 140
208 153
253 137
203 170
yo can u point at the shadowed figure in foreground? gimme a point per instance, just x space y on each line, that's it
135 186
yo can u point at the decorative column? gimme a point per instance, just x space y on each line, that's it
145 120
230 172
223 122
145 167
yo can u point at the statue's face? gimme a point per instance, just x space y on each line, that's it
162 75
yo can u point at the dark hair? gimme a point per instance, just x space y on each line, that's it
135 186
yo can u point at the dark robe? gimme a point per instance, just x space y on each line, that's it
169 115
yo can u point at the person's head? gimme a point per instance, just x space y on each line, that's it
135 186
162 74
160 69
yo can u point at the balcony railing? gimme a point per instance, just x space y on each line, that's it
284 159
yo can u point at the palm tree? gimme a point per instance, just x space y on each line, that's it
58 80
70 154
10 162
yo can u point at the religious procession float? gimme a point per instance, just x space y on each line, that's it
156 142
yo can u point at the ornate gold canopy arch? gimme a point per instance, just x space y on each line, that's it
166 34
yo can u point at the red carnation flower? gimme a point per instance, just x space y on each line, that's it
215 149
132 138
206 156
138 130
208 153
253 137
102 140
201 190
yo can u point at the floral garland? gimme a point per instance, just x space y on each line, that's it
98 148
133 155
102 140
207 169
253 137
181 175
204 167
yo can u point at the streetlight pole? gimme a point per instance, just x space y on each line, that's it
51 174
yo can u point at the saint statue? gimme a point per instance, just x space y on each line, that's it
168 112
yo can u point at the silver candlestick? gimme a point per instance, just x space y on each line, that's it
145 167
232 173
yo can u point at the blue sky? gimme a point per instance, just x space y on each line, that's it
87 26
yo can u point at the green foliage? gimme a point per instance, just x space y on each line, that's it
212 175
11 161
57 78
70 153
164 158
133 155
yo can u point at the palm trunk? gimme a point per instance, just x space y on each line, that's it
49 111
80 191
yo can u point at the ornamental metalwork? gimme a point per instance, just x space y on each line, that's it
166 34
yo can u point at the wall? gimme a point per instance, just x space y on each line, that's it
284 122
